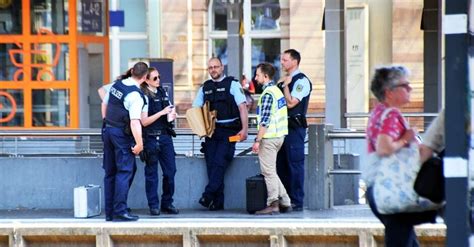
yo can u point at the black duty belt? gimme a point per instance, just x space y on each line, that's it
126 129
155 132
115 124
297 121
112 126
230 125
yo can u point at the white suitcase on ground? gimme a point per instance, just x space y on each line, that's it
87 201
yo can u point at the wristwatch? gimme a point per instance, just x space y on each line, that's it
257 140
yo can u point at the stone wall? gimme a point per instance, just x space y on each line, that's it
48 183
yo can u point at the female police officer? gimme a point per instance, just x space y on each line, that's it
158 145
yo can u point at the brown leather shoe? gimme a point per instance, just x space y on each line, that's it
270 210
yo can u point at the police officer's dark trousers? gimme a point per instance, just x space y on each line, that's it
119 164
166 157
218 153
290 165
134 168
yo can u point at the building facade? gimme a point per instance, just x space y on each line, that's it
54 54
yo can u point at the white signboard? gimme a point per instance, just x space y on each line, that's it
357 84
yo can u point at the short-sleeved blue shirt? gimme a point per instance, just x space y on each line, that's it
301 88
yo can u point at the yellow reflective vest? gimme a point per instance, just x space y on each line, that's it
278 125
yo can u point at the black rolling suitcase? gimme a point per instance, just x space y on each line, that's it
256 191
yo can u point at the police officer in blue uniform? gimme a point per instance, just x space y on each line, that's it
122 140
226 96
158 134
103 92
290 160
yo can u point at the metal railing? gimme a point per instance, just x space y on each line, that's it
88 142
358 120
324 140
342 135
181 121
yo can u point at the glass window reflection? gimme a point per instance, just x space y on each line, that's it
11 108
131 49
51 108
136 20
49 15
219 49
11 62
266 50
219 16
49 62
10 17
265 14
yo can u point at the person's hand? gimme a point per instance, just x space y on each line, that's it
172 115
410 135
286 80
256 147
137 149
243 134
166 110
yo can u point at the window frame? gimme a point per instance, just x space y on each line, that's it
247 37
26 84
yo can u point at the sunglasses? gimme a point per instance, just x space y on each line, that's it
156 78
403 85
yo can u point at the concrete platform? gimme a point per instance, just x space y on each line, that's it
341 226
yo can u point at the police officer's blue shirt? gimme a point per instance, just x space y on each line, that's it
107 88
133 102
235 89
301 88
145 107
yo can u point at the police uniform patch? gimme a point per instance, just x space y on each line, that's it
281 102
116 93
299 88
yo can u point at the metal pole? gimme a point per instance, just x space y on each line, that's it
457 123
234 41
335 71
432 85
318 187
